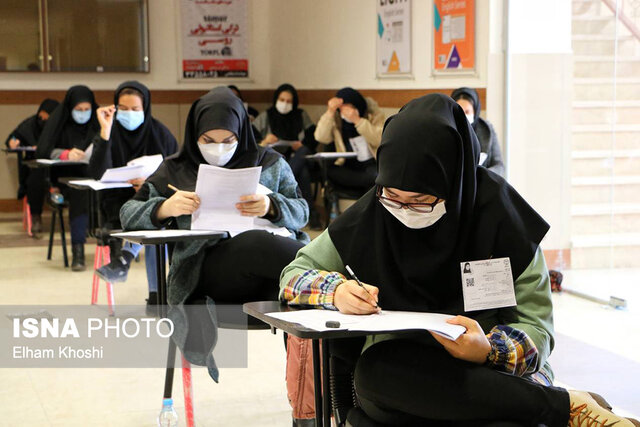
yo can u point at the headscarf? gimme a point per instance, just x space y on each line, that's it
151 137
61 131
351 96
218 109
285 126
30 129
429 147
472 96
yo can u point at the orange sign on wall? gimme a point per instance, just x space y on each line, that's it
453 35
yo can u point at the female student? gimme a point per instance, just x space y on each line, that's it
245 267
352 123
66 136
284 121
127 131
408 239
469 100
26 135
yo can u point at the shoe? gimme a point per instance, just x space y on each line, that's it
588 410
36 223
152 303
314 220
77 262
116 271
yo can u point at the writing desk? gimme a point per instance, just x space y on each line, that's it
323 160
322 394
20 153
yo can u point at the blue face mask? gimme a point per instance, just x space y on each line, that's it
130 120
81 117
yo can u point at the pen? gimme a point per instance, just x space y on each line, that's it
172 187
354 277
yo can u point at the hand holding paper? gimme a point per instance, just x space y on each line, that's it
472 346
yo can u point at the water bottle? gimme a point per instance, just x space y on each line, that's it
168 416
57 198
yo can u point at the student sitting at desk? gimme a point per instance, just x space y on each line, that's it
351 123
240 269
284 121
134 134
26 135
432 211
66 135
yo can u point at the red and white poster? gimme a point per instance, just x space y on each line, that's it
215 38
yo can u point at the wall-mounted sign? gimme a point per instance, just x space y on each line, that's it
453 35
393 38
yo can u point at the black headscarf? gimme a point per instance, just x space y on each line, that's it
428 147
30 129
151 137
218 109
351 96
472 96
61 131
285 126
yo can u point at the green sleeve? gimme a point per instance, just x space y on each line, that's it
320 254
533 313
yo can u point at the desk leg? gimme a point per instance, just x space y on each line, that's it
326 393
160 278
168 377
317 382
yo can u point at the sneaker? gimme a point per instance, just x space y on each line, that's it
587 410
77 251
152 304
114 272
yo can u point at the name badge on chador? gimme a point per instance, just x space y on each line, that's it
487 284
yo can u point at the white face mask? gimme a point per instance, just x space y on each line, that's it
417 220
345 119
470 118
283 107
218 154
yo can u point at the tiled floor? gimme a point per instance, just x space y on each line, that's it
256 396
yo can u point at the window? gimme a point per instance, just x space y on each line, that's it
87 35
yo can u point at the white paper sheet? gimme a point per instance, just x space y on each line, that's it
332 155
87 154
97 185
282 143
58 161
160 233
149 164
382 322
219 190
122 174
483 157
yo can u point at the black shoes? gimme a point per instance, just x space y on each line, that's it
36 223
77 263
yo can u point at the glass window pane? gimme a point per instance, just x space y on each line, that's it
19 35
98 35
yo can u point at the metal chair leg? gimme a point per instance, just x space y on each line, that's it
95 285
64 241
188 392
110 299
51 234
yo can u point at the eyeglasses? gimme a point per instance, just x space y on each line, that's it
416 207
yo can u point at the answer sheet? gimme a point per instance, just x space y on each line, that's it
385 321
219 190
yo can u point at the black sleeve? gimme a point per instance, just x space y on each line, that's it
100 157
309 140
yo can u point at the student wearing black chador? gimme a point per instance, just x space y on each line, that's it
236 270
469 100
284 120
408 239
127 131
26 135
66 136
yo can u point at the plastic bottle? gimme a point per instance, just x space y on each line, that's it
168 416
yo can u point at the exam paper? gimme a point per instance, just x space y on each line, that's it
160 233
122 174
219 190
149 164
385 321
97 185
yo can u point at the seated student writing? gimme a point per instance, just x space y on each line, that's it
236 270
26 135
433 210
352 123
66 136
127 131
285 121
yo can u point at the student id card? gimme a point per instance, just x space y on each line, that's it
487 284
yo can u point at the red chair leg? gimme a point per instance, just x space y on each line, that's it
110 298
96 280
188 392
26 216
